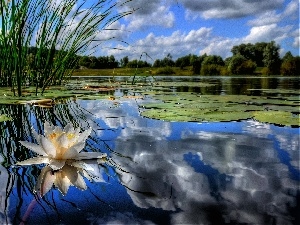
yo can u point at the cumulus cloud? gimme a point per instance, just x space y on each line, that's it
4 176
177 44
296 36
273 17
267 33
228 8
118 218
149 13
268 20
292 9
161 16
251 192
220 46
226 177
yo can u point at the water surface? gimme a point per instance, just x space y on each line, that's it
168 172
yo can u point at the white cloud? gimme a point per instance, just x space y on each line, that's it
271 22
292 9
220 46
149 13
161 16
249 185
118 218
177 44
266 18
296 36
267 33
228 8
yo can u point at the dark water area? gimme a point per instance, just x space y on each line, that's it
251 85
243 172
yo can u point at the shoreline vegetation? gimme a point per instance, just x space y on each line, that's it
247 59
149 71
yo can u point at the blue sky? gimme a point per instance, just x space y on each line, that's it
181 27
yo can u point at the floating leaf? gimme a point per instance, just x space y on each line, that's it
4 118
194 107
277 117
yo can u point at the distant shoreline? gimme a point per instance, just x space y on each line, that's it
150 71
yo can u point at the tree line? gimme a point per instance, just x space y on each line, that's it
245 60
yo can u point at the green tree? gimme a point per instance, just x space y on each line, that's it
213 59
168 61
85 61
157 63
94 64
290 65
287 56
102 62
212 65
246 50
271 58
112 62
250 51
259 53
240 65
183 61
124 61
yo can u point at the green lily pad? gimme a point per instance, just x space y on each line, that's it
199 115
57 94
194 107
277 117
4 117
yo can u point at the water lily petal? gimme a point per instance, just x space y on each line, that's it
84 164
69 128
74 177
34 147
57 130
71 153
80 183
91 155
78 146
77 131
84 135
90 169
86 175
45 181
57 164
37 136
48 128
33 161
95 174
63 141
48 147
62 182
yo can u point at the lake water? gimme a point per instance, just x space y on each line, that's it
243 172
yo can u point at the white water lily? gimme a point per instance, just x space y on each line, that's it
59 147
62 179
68 175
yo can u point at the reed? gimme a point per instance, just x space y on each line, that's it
59 30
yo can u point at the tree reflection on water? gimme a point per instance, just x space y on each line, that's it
160 172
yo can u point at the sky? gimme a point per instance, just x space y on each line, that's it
182 27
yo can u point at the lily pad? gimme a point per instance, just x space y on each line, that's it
277 117
195 107
4 117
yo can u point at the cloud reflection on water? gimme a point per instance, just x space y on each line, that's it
3 177
250 182
191 173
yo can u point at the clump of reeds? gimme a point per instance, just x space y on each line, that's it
40 39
